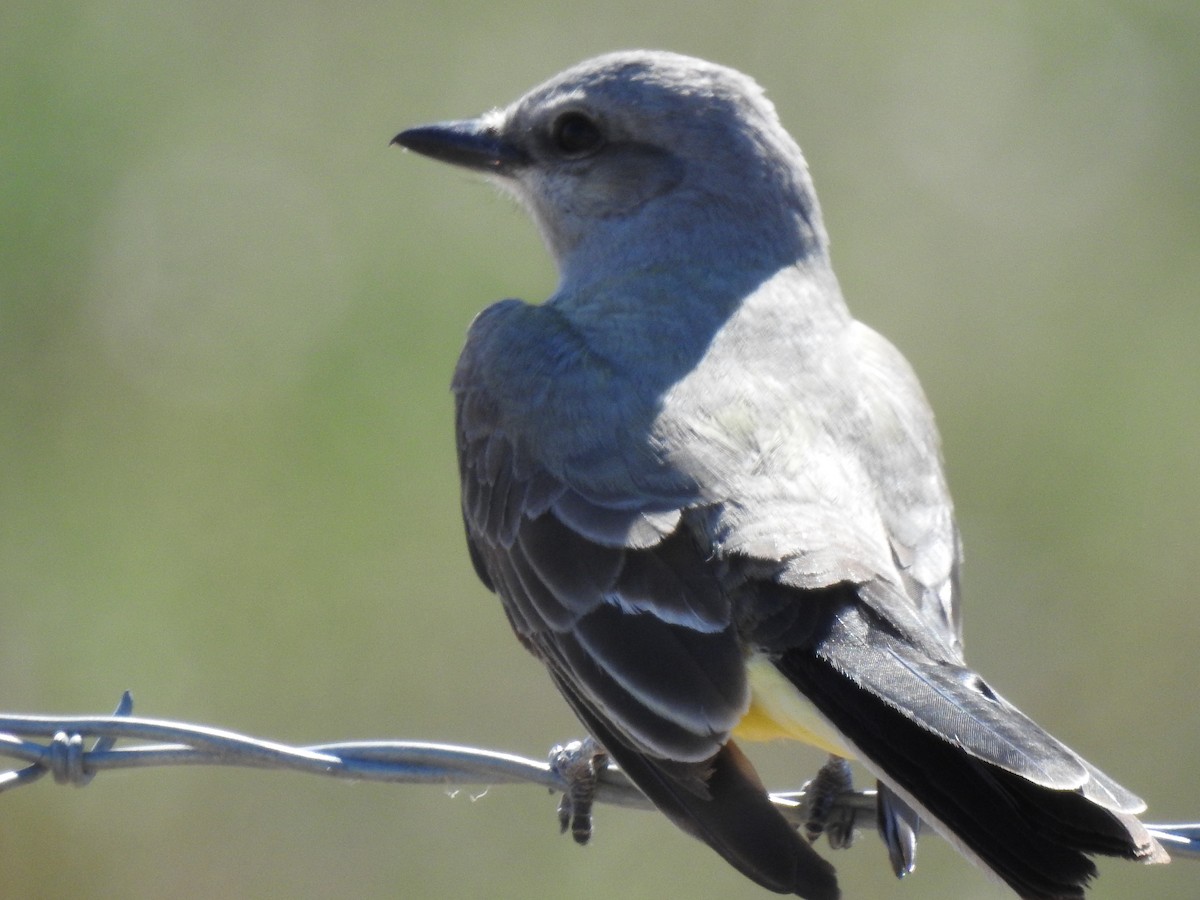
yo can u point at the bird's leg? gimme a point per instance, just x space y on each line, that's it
579 764
828 817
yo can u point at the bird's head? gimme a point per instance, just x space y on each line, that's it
636 157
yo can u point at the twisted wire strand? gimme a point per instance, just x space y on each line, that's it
55 745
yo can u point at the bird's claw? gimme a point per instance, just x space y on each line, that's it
579 764
828 817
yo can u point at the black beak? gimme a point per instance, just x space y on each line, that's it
467 142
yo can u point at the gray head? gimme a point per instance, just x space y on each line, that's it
641 156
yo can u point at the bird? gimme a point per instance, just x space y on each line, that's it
713 503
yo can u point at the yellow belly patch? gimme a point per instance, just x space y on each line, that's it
778 710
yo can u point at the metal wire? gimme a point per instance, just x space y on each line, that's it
55 745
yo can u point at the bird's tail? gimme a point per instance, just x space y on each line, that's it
1005 792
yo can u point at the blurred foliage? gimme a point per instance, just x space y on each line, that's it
229 313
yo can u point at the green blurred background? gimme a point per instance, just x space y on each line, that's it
229 313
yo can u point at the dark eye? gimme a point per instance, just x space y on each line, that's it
575 135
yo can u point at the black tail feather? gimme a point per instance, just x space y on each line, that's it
1035 838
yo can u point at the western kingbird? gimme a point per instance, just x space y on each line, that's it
713 503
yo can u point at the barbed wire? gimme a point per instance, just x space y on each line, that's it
58 750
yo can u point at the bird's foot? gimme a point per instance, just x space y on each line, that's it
827 817
579 764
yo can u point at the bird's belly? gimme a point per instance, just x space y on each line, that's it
777 710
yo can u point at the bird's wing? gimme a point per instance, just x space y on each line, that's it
611 590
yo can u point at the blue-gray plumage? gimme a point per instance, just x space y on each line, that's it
713 503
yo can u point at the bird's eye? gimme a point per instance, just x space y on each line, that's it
575 135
